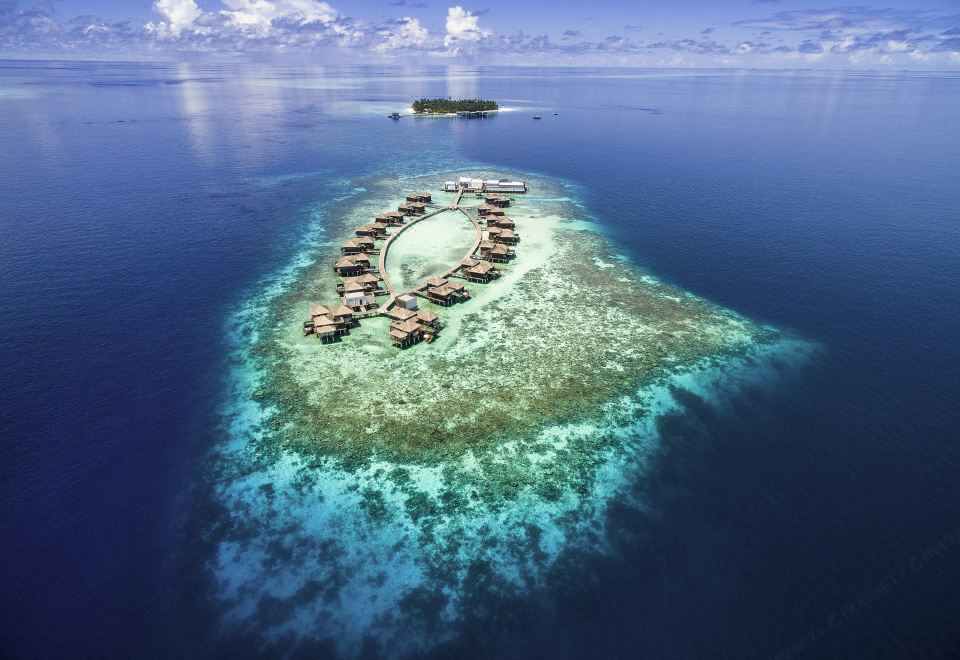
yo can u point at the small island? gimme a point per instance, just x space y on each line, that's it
453 106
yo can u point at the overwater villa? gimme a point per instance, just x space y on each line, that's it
352 286
460 292
322 327
405 333
358 244
412 208
367 283
502 221
428 319
440 295
497 200
390 218
350 265
480 271
498 253
338 316
506 237
421 197
444 292
372 230
342 317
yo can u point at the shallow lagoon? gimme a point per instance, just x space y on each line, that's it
428 248
376 489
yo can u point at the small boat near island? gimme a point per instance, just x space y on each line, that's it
537 117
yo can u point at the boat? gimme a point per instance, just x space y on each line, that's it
537 117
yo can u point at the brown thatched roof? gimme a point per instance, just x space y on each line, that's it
399 334
427 316
367 278
319 310
469 262
442 291
324 329
499 249
406 326
482 268
341 310
436 281
401 313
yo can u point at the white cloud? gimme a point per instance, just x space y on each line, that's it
407 33
462 26
178 15
260 14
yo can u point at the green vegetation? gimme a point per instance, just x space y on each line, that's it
444 106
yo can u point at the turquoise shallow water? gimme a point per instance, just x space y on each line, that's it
778 505
429 248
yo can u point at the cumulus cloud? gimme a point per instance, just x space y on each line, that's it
463 27
178 14
405 34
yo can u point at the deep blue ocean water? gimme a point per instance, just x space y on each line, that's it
816 517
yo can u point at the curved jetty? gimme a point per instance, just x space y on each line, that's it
362 283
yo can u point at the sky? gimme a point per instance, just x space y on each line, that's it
924 34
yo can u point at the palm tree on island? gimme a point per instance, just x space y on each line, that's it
451 106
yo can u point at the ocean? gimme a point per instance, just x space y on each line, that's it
148 212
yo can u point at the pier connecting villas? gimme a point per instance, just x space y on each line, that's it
364 281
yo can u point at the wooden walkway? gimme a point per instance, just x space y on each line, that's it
417 290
